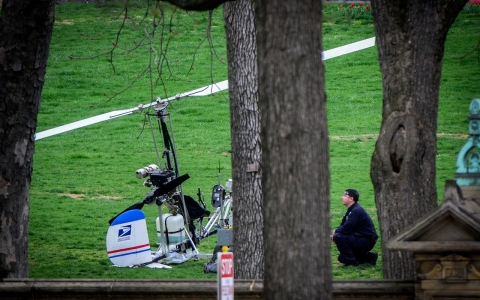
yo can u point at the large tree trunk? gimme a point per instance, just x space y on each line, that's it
245 131
295 178
410 37
25 34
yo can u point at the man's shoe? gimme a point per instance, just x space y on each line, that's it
351 263
372 258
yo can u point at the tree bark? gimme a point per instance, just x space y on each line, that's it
295 172
245 132
25 34
410 39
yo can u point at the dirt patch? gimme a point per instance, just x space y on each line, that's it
371 136
65 22
454 135
73 196
108 197
82 196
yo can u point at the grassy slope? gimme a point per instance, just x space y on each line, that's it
84 177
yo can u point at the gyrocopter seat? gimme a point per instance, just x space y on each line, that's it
195 210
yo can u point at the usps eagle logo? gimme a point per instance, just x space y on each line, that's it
124 233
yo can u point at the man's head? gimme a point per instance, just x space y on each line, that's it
350 196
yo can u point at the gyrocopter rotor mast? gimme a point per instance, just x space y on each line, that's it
169 153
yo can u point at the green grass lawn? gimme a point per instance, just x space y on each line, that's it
85 177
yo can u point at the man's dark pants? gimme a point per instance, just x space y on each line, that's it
353 249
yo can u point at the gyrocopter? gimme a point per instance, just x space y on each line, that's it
127 237
181 228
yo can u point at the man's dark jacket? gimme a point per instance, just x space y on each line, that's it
357 222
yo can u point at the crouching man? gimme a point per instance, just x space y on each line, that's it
356 235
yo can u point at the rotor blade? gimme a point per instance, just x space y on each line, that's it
83 123
203 91
346 49
208 90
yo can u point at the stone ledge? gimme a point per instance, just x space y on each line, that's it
93 289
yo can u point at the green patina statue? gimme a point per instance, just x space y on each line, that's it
468 161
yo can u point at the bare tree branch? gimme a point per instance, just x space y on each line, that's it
198 5
157 35
477 48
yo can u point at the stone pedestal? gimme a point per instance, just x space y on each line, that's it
446 247
451 276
